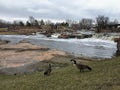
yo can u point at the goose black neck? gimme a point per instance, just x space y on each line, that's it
74 62
50 65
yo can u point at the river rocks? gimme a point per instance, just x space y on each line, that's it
118 43
118 46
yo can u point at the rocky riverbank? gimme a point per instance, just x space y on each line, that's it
24 57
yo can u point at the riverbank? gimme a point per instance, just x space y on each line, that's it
24 63
23 57
18 58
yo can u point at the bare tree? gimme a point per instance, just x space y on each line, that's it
115 21
70 22
86 23
42 22
16 23
48 22
101 21
31 20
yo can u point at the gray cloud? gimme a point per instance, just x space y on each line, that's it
59 9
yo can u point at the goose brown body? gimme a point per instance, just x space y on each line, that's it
48 70
81 67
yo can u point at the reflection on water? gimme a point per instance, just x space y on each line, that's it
86 47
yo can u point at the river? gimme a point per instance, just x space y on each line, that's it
89 47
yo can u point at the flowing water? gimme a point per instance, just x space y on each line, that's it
93 48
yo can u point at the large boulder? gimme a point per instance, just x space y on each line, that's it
118 43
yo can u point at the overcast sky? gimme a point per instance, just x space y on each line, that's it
59 9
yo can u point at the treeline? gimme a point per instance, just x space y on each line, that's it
100 23
31 22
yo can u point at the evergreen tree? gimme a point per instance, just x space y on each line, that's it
28 23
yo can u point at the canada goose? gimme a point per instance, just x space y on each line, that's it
48 70
81 67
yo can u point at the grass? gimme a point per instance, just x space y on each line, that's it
3 29
104 76
8 33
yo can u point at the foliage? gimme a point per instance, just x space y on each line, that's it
21 23
28 23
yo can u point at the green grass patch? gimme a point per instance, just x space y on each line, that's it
104 76
3 29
